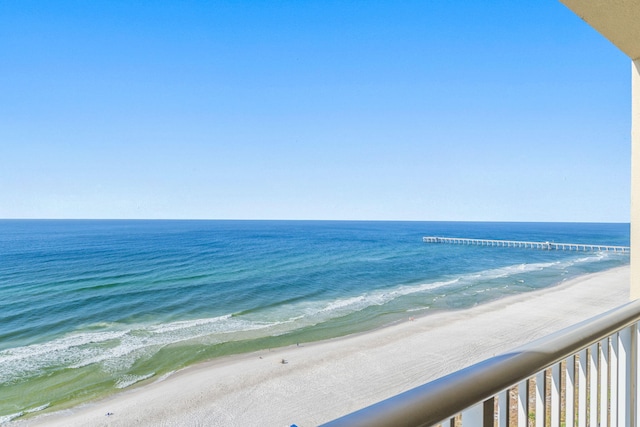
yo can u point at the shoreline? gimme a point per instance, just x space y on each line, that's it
326 379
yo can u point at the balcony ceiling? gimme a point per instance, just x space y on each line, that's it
617 20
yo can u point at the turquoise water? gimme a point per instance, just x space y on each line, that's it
91 307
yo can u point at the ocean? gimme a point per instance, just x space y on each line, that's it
88 308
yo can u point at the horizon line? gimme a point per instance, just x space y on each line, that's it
313 220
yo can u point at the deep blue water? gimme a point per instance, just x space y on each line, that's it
88 307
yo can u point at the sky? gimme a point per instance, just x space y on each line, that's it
490 110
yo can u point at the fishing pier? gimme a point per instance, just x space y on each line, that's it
528 245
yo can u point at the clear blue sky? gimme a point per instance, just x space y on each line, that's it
412 110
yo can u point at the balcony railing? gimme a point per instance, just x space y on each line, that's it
585 375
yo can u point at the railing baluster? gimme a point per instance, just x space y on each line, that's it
593 386
624 362
604 383
522 403
539 409
582 389
555 395
613 388
503 409
569 375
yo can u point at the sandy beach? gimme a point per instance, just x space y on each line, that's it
324 380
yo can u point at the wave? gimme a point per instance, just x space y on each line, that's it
499 273
117 351
164 376
7 418
115 348
129 380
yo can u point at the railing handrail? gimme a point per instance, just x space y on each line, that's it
438 400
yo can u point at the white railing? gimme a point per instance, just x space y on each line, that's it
585 375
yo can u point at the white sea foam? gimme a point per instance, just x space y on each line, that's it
340 304
319 311
323 310
69 350
413 289
37 408
74 340
385 296
165 376
7 418
186 324
510 270
115 351
129 380
144 341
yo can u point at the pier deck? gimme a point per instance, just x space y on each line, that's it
529 245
